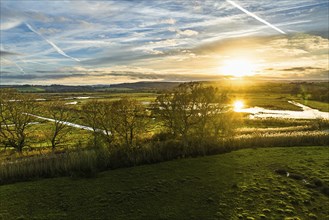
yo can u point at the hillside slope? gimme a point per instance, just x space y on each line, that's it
244 184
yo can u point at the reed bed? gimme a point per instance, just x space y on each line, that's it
86 163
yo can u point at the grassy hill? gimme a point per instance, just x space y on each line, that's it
245 184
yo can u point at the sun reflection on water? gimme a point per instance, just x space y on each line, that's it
238 105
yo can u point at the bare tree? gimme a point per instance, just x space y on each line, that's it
60 114
15 116
165 106
105 119
129 120
90 113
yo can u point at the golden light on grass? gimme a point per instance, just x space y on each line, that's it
238 105
238 68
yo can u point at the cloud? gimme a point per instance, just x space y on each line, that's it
293 45
8 53
152 51
5 72
300 72
153 35
119 58
164 43
49 30
188 33
36 76
84 77
9 24
302 69
168 21
7 61
9 18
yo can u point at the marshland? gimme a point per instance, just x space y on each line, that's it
175 109
45 140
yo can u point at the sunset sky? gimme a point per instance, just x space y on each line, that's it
105 42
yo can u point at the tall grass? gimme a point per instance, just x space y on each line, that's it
246 130
88 162
277 122
286 139
49 165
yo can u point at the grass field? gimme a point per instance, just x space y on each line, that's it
322 106
266 100
239 185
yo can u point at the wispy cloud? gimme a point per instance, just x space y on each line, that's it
167 37
6 25
255 16
4 53
59 50
16 64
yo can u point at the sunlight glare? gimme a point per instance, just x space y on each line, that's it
238 105
238 68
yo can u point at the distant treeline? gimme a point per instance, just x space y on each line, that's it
124 87
318 91
312 91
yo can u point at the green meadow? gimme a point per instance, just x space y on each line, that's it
244 184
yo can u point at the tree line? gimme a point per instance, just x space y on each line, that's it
191 112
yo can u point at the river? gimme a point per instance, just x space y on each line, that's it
307 113
68 123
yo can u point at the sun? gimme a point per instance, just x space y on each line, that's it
238 68
238 105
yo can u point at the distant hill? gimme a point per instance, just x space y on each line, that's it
123 87
147 85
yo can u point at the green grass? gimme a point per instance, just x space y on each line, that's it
266 100
322 106
114 89
235 185
40 133
31 89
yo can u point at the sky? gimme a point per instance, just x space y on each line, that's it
105 42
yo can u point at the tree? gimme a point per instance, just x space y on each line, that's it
59 129
188 109
225 122
209 104
15 116
105 120
165 107
129 120
90 112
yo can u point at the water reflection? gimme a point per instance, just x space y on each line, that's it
307 113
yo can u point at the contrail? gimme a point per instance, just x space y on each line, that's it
255 16
29 61
59 50
18 66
